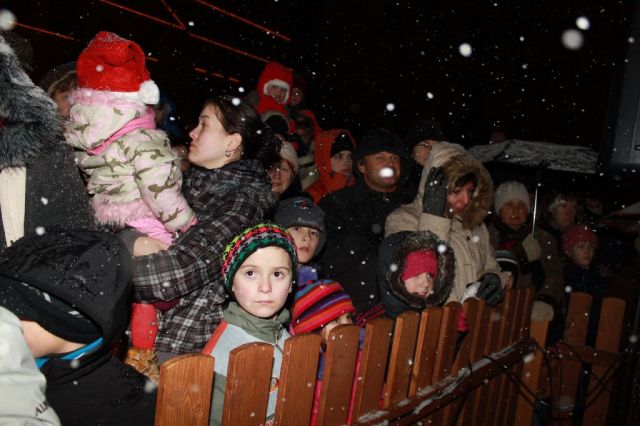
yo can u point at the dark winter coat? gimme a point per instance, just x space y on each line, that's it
225 201
30 133
354 219
90 271
394 251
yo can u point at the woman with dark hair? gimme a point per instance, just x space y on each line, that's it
227 188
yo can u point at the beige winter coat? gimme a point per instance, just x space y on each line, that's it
466 233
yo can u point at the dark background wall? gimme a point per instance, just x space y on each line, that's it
359 56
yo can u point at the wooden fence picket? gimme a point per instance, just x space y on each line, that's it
426 348
401 359
608 339
247 392
339 369
375 353
184 391
575 333
297 379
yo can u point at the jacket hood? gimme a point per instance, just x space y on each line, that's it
456 162
87 270
420 241
322 155
273 71
30 117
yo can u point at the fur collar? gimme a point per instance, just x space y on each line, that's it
423 241
30 117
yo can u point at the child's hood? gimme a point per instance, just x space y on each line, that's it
275 71
443 283
322 155
87 270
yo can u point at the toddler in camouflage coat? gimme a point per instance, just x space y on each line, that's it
133 175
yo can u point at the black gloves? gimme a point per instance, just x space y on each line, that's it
434 199
490 289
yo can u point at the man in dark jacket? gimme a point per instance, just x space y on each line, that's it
70 291
355 216
40 185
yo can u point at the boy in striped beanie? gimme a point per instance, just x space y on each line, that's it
258 268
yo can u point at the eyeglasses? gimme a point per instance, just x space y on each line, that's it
425 145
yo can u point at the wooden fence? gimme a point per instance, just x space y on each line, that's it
492 379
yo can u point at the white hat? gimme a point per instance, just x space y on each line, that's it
510 191
288 152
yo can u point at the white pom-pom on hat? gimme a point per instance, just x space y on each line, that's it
149 93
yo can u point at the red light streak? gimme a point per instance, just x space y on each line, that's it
180 25
42 30
245 20
231 48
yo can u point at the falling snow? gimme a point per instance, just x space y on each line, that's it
7 20
465 49
572 39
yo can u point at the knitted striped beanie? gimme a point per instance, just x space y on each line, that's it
255 237
318 304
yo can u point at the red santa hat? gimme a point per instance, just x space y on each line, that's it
114 64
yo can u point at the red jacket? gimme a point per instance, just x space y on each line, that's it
328 181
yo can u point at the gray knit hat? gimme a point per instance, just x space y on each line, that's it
300 211
510 191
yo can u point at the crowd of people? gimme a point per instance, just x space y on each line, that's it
123 247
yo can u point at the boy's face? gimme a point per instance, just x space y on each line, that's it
582 253
342 162
276 92
342 319
421 285
307 240
43 343
263 281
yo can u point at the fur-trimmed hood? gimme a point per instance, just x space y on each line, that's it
456 162
29 117
443 284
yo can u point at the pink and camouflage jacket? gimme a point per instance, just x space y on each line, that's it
132 176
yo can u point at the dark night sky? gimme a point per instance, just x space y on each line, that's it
358 56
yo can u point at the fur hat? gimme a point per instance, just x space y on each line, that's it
443 283
378 140
300 211
31 120
422 131
22 47
318 304
252 238
510 191
113 64
575 234
288 152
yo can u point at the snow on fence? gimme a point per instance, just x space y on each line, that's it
410 371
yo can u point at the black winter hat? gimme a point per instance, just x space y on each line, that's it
377 140
73 284
300 211
423 130
342 142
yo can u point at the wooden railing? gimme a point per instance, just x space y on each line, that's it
491 377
